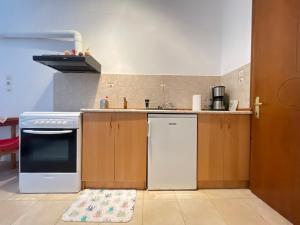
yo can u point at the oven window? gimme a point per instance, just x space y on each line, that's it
48 150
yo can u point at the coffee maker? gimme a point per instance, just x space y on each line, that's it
218 96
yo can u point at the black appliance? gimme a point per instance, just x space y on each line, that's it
70 63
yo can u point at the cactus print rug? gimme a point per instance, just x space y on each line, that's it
115 206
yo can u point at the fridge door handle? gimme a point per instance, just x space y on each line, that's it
149 143
149 129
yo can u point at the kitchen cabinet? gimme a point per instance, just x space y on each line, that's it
98 147
114 150
210 148
223 150
131 148
236 150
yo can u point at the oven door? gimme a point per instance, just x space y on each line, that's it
48 150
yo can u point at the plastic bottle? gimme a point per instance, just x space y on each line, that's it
104 103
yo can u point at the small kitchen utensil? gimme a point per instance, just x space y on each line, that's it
233 104
147 102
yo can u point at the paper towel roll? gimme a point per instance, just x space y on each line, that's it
196 103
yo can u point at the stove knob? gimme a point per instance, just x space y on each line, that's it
64 122
35 122
42 122
47 122
59 122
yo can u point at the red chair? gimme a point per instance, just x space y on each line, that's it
10 145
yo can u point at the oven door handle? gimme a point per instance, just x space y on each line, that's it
47 131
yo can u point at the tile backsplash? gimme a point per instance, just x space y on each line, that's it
75 91
237 85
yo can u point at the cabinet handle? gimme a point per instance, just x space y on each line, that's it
118 126
228 124
221 123
110 122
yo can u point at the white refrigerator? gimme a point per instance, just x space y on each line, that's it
172 151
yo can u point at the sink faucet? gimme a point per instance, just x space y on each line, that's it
165 105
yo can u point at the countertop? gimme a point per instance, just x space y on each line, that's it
165 111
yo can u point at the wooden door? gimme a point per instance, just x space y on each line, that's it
210 150
131 150
275 159
98 149
236 149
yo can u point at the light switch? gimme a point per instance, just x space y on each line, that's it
8 83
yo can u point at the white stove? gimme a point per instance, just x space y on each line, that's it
50 152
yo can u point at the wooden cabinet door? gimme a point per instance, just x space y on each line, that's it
236 149
130 149
98 148
210 150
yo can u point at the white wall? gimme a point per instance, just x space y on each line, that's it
127 36
131 36
236 34
32 84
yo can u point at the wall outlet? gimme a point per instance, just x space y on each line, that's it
241 76
110 84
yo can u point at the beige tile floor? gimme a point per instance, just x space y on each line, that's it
203 207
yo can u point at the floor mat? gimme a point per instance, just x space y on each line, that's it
92 205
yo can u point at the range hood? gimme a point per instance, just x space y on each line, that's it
70 63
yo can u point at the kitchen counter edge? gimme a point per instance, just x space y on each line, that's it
163 111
